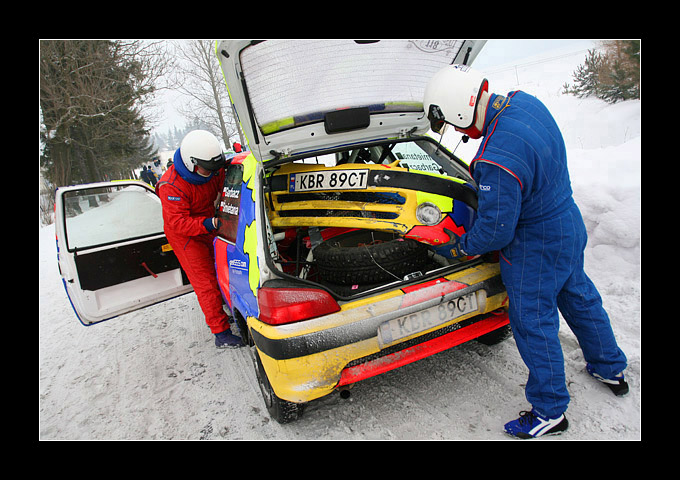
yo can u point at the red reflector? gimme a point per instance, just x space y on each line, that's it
287 305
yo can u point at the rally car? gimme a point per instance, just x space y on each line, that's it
334 255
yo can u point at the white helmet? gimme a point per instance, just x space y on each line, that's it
452 95
200 147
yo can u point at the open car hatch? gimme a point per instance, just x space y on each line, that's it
301 96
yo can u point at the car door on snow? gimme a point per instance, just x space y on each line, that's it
112 252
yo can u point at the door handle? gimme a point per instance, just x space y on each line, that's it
146 267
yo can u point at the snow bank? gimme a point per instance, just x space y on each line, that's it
155 374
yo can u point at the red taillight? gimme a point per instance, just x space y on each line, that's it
288 305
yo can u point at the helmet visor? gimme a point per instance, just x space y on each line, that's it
213 164
436 118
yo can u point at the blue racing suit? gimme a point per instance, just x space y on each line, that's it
526 210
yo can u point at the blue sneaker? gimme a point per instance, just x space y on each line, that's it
532 425
227 339
617 384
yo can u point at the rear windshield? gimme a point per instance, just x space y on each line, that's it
419 155
295 82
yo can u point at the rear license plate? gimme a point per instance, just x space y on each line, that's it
407 325
333 180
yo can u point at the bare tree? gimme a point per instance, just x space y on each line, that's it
202 82
156 60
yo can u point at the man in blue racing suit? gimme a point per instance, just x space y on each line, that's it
526 210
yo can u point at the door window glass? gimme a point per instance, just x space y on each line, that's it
230 202
104 215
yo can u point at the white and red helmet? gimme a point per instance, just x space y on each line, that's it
452 96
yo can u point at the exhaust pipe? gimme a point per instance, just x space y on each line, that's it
344 391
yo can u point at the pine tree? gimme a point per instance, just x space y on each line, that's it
620 75
611 76
586 77
617 85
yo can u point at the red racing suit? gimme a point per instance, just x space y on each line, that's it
188 205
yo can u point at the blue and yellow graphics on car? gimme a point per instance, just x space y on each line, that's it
424 206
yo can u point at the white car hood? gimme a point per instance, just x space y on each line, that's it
295 96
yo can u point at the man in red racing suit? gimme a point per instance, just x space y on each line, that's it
188 191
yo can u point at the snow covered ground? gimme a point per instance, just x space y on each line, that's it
155 374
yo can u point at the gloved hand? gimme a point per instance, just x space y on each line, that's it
212 224
454 244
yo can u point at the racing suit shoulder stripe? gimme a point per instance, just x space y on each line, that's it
483 160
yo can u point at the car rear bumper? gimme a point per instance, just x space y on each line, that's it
308 359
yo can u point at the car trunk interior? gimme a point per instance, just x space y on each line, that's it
323 238
296 260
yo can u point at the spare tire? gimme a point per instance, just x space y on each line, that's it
366 257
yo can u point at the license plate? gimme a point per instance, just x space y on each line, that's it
407 325
333 180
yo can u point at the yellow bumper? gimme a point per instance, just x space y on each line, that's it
305 360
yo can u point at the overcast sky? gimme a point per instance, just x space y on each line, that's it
499 52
